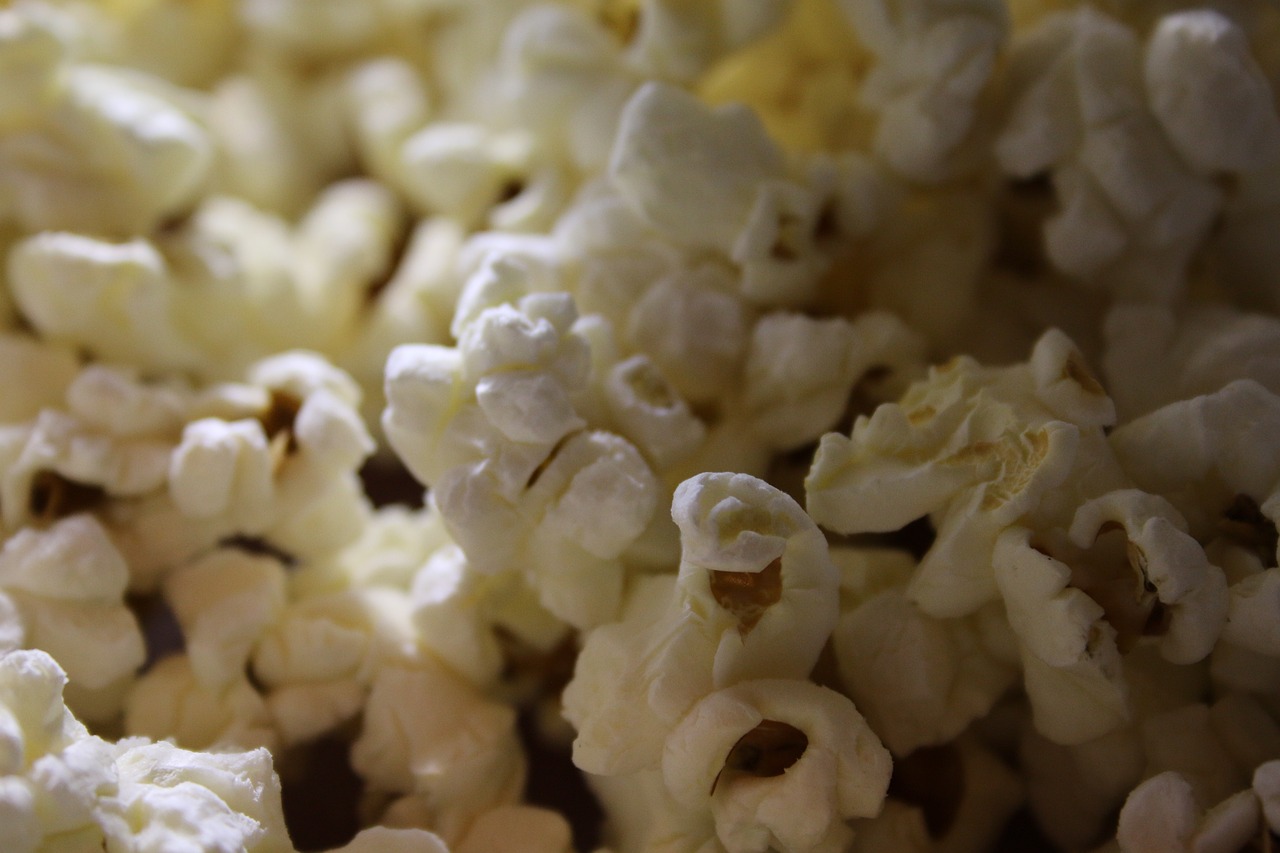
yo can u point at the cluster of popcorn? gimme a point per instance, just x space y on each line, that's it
821 426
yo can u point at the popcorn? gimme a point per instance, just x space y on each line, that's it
224 601
54 771
493 427
173 799
799 372
64 786
1079 587
170 701
133 148
1202 82
64 590
1134 168
1163 813
935 61
754 599
662 160
1156 356
428 734
784 763
1211 452
667 247
978 449
959 669
674 42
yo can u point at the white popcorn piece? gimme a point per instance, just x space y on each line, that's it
757 568
428 733
755 598
797 377
224 601
957 672
461 170
66 586
170 702
345 241
646 410
54 771
677 42
1209 93
1155 355
222 467
493 427
607 702
1202 454
562 77
387 103
935 60
130 145
346 635
461 614
693 327
114 298
1072 666
174 799
809 763
594 498
280 134
1171 565
978 448
692 172
1166 812
1134 163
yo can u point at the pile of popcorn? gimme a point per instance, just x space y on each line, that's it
843 425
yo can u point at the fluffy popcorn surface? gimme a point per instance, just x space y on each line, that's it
428 733
1132 162
1213 450
692 172
493 426
458 613
1165 813
957 673
173 799
54 771
113 297
934 61
132 148
1076 617
755 598
1155 355
66 585
756 568
1209 93
67 789
975 447
809 763
224 601
170 702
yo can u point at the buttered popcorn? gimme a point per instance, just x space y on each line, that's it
736 359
